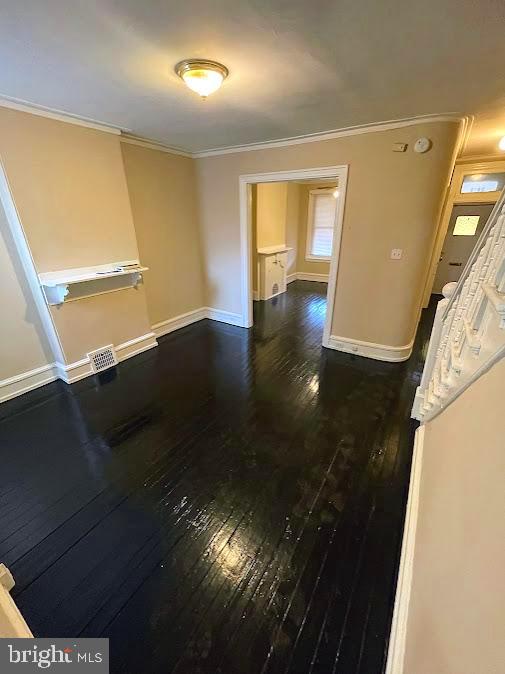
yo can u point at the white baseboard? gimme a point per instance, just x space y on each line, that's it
135 346
392 354
26 381
82 368
291 277
73 372
178 322
302 276
194 316
398 636
225 317
256 295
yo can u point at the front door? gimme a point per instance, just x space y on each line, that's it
466 223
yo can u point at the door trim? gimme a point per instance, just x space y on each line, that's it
245 196
453 198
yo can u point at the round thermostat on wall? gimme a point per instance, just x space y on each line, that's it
422 145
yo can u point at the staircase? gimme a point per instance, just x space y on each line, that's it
468 334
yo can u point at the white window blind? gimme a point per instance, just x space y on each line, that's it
323 221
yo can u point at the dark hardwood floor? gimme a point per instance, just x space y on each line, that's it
231 501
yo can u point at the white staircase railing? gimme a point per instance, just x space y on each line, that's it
468 334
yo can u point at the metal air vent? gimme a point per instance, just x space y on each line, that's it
102 359
275 289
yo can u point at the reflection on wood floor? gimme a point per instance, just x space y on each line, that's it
231 501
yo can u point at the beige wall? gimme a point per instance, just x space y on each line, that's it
69 187
456 618
163 193
70 190
271 205
303 265
393 201
269 213
23 345
111 318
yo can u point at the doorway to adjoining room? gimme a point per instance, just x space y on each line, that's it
293 230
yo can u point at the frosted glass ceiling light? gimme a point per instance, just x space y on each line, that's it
501 144
203 77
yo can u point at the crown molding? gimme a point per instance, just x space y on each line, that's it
467 122
153 145
336 133
128 137
59 115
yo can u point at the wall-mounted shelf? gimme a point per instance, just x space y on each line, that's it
73 284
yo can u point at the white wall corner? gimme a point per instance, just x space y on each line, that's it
391 354
74 371
398 635
194 316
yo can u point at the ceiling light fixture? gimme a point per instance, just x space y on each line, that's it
501 144
203 77
335 193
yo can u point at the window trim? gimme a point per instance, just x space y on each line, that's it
309 257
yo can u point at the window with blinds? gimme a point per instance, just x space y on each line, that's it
322 206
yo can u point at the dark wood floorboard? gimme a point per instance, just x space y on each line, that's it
230 502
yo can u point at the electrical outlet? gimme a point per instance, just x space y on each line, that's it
396 253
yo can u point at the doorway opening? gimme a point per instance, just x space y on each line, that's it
291 228
474 189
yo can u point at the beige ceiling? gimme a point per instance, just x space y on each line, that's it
296 66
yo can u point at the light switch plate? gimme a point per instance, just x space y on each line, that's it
396 253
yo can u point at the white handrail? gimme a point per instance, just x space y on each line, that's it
468 334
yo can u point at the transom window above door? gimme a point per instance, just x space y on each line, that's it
321 223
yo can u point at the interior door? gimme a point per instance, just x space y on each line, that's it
466 223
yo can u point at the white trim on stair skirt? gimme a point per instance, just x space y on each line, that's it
392 354
398 636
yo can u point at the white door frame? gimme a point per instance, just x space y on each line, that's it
245 182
